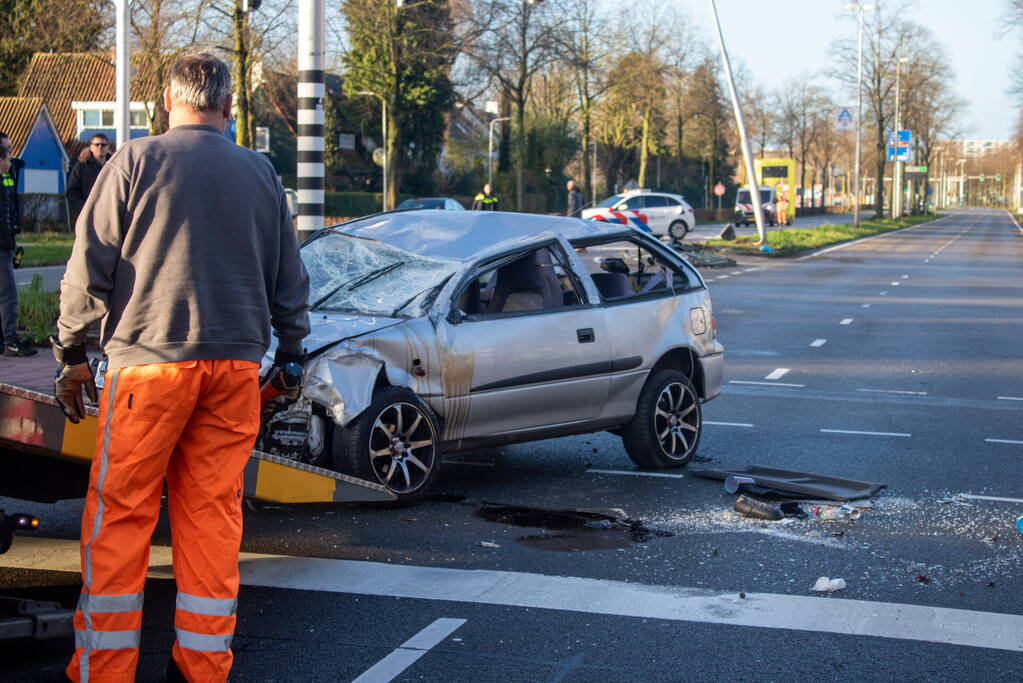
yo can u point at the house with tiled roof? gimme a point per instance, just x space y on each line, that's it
29 125
78 89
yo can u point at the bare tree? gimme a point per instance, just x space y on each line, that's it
888 38
585 48
513 41
800 119
162 30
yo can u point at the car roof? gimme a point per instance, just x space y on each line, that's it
462 235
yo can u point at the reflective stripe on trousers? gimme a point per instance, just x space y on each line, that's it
193 425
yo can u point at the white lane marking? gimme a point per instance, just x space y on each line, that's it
637 474
852 431
882 293
818 342
777 373
1010 398
391 666
728 424
895 284
927 260
994 498
766 384
846 321
1012 441
894 391
865 306
813 614
905 277
721 277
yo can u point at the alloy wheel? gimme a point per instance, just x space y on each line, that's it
402 447
676 420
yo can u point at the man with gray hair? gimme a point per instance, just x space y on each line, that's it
186 252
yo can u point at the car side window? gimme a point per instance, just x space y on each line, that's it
625 269
670 202
537 281
632 203
655 202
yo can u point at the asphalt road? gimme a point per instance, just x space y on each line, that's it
895 359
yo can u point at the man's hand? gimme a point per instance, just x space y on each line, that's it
73 375
67 387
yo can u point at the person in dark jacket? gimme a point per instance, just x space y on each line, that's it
10 225
84 173
576 201
485 200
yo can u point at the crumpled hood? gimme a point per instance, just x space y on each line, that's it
328 328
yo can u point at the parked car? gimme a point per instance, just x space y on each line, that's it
438 331
656 212
744 206
442 203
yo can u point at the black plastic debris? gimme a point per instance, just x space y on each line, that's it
794 484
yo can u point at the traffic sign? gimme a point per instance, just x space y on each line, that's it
998 178
900 145
844 119
719 190
982 177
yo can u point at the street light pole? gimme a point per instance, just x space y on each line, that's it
897 168
859 107
121 71
747 151
962 182
383 126
490 151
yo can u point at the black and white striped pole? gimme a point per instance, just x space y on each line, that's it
311 22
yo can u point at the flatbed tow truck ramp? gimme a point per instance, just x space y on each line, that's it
45 458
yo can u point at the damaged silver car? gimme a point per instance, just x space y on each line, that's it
435 332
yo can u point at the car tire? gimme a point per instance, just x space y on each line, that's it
678 231
380 445
665 431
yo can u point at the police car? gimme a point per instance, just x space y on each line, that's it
659 213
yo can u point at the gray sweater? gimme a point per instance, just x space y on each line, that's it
185 250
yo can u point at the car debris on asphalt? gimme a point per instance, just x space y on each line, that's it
826 585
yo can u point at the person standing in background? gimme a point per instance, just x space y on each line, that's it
576 201
84 173
10 225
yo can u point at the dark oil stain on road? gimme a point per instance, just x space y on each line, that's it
577 530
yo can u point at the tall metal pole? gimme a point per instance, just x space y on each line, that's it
747 151
859 117
122 71
490 151
896 176
387 157
593 171
311 22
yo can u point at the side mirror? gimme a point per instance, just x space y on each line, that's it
454 317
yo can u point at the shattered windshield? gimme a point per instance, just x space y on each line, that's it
365 276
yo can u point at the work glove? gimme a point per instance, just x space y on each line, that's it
73 375
281 359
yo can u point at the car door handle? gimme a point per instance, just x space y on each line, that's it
586 335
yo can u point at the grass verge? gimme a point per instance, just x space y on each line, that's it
37 310
45 255
792 241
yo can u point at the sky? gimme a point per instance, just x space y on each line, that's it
968 29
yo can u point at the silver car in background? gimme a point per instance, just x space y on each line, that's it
437 331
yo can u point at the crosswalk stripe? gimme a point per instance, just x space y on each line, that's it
593 596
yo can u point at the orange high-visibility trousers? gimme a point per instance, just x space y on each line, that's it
193 422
